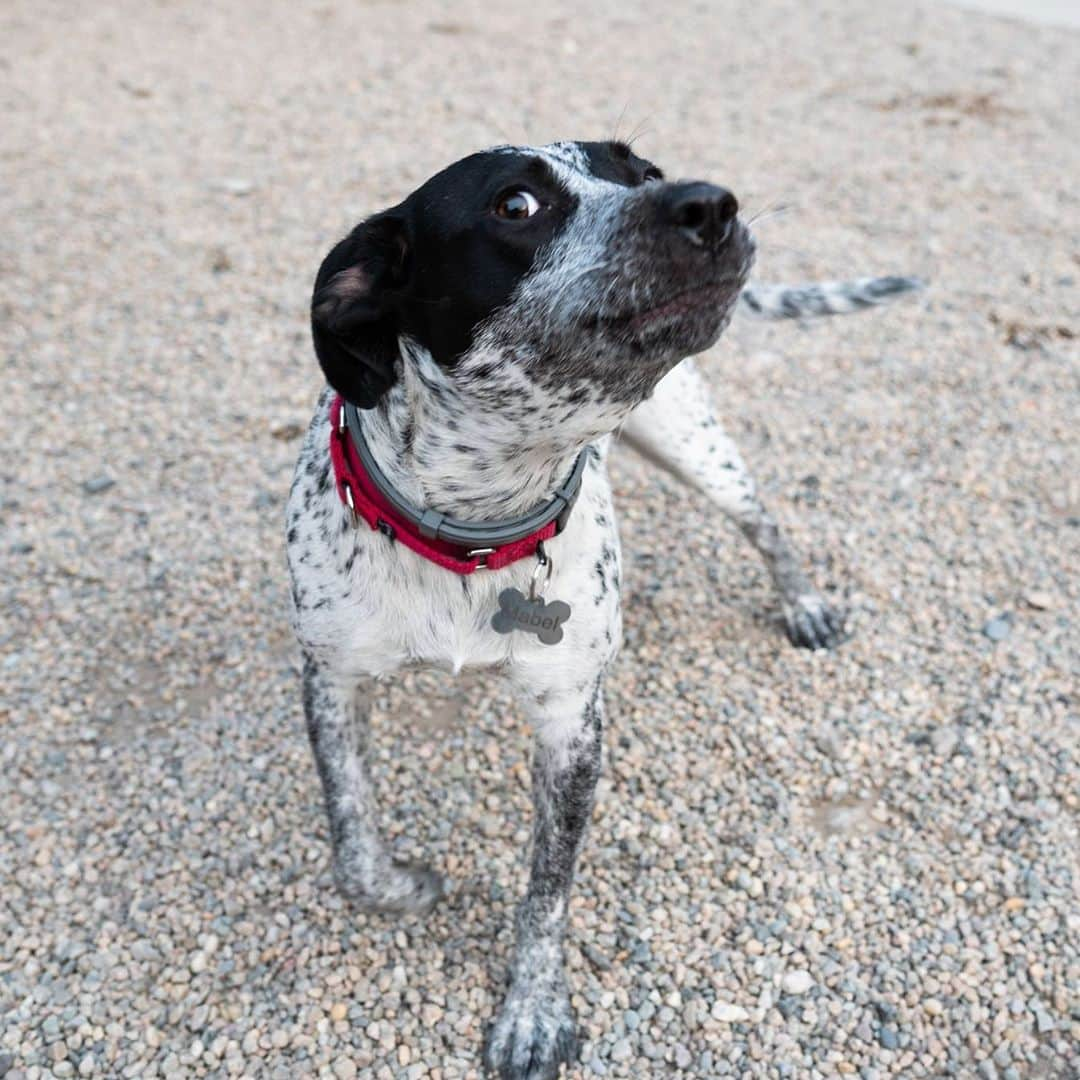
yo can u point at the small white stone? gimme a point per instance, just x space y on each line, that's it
727 1013
234 185
797 982
344 1069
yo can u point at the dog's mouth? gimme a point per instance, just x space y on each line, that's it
686 302
699 300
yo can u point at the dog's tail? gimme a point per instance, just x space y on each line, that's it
823 298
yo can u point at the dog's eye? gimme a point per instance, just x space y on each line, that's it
516 205
652 173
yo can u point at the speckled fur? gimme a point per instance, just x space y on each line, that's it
677 429
554 372
824 297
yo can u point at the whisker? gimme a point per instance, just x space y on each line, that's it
767 214
772 208
602 306
618 123
638 131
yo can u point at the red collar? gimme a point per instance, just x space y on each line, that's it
359 492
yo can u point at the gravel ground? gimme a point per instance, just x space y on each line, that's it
863 863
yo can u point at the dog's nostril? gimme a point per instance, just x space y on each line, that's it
691 215
702 212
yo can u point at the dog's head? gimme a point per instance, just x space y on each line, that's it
575 265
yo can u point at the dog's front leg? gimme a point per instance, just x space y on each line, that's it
337 724
677 429
534 1031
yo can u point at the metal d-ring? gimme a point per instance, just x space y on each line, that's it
543 562
354 517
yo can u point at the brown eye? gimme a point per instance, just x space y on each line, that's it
517 205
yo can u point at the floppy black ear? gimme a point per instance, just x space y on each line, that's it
353 318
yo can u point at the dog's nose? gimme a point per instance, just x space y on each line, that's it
702 212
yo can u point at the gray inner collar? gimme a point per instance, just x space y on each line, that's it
469 534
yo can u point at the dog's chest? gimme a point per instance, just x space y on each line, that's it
367 605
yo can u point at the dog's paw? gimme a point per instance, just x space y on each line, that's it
812 624
533 1035
397 888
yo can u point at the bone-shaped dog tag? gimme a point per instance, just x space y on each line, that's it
520 612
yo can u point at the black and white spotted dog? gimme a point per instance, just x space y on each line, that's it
482 341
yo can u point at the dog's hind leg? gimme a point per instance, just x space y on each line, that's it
676 429
337 724
534 1031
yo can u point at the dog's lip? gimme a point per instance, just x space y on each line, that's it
681 303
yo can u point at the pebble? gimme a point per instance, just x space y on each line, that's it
234 185
1040 601
1044 1022
729 1014
998 628
95 485
797 982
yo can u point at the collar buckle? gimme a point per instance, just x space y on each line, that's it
482 554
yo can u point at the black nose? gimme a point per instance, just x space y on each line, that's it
702 212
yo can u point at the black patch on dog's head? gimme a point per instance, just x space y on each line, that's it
432 268
615 161
574 260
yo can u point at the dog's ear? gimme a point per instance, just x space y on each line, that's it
353 310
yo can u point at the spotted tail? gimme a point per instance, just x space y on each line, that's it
823 298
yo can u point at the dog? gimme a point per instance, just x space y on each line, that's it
481 342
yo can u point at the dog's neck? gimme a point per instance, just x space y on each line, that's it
481 443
